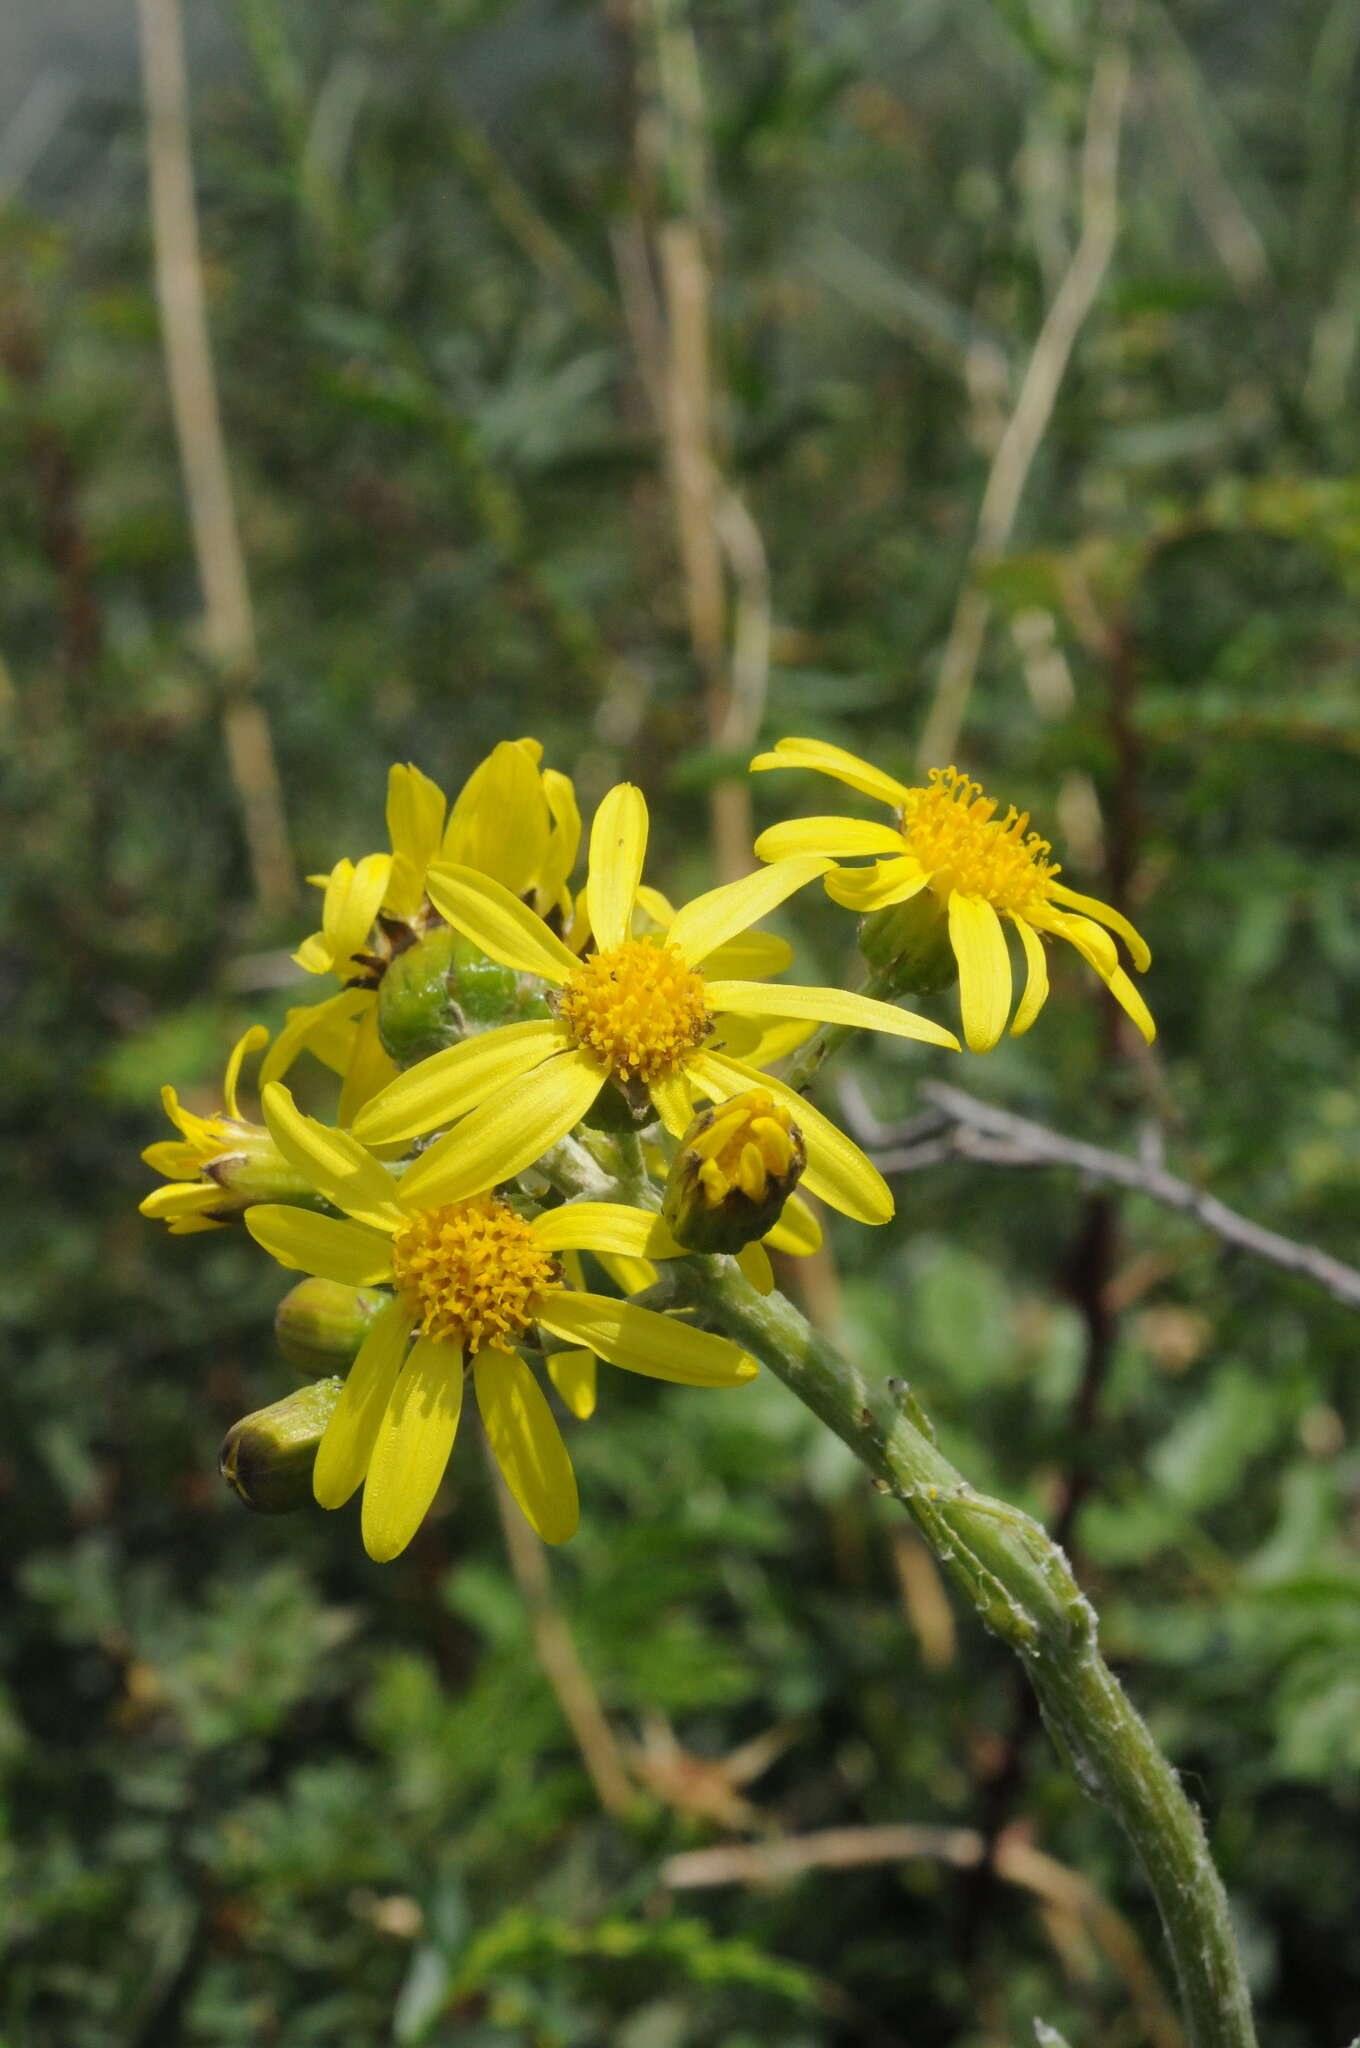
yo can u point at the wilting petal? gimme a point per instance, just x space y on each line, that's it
984 970
249 1041
527 1443
412 1446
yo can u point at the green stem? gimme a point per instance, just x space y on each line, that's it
1021 1585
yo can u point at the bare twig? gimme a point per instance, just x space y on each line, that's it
961 1127
1033 410
759 1863
559 1657
229 630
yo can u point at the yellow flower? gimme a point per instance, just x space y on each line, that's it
980 868
219 1164
471 1280
512 821
640 1012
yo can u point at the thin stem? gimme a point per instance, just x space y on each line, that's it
1021 1586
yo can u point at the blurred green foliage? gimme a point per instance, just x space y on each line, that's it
256 1789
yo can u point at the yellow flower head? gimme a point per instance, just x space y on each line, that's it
512 820
472 1280
645 1013
219 1164
946 838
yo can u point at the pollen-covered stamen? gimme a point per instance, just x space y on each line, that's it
638 1008
953 830
472 1273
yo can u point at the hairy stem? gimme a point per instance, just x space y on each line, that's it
1021 1586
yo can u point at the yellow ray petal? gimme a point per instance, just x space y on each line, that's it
984 970
1129 1000
710 920
334 1162
554 884
527 1443
630 1276
876 888
1091 940
826 1006
605 1227
797 1232
837 1171
618 847
370 1068
505 929
508 1133
672 1102
349 1252
659 909
829 760
343 1456
754 1261
411 1448
1104 914
838 836
180 1198
574 1374
1036 979
752 957
314 956
350 920
173 1158
499 823
249 1042
415 826
641 1341
450 1083
311 1026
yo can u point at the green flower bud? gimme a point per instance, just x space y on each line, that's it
909 942
320 1324
442 990
737 1165
267 1457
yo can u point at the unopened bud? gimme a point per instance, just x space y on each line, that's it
737 1165
909 942
442 990
320 1324
267 1457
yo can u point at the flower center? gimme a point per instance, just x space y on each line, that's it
471 1273
638 1008
750 1142
952 829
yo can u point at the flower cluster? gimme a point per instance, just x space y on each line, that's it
507 1048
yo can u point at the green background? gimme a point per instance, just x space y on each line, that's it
258 1790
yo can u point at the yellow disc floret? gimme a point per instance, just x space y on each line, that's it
953 831
471 1273
638 1008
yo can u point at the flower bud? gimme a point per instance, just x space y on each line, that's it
442 990
910 942
320 1324
267 1457
737 1165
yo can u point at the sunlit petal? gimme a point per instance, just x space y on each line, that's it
878 887
839 836
508 1133
829 760
332 1161
323 1245
984 970
411 1448
641 1341
1104 914
504 928
249 1042
1036 979
605 1227
826 1006
450 1083
574 1374
710 920
618 847
526 1443
343 1456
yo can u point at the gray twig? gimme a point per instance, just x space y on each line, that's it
959 1126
